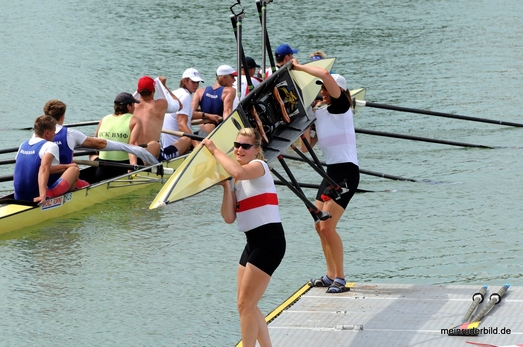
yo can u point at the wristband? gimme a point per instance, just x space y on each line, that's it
203 115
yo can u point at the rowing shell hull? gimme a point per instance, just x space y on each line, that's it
201 170
14 217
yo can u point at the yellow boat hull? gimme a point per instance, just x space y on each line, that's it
15 217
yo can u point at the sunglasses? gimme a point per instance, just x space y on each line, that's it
243 145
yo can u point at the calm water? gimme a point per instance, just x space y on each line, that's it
118 274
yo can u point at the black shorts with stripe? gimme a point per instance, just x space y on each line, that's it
348 172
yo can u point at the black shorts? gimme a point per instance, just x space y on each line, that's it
167 153
265 247
349 172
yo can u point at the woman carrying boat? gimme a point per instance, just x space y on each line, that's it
337 139
254 204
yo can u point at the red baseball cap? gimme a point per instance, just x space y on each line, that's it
146 83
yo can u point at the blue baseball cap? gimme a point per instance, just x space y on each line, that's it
285 49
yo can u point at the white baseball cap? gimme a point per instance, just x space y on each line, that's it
193 74
340 81
226 70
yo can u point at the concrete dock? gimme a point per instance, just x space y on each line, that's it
394 315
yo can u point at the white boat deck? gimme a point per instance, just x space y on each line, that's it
394 315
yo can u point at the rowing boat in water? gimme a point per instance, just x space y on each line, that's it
16 215
200 171
276 107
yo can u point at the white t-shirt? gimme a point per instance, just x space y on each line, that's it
48 147
254 82
75 138
170 122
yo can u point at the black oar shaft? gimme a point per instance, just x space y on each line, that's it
9 150
315 212
417 138
79 124
311 151
366 172
6 178
236 22
433 113
18 202
317 186
318 168
76 154
266 45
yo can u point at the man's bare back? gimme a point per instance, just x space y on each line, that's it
150 111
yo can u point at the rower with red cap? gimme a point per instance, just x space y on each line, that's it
152 111
216 102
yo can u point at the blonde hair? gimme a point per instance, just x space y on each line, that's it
256 139
318 54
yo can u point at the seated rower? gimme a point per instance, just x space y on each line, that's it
181 120
68 139
123 127
216 102
33 165
155 100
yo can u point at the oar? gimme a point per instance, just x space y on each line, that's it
317 186
470 328
157 169
181 133
76 154
477 299
317 214
6 178
18 202
417 138
9 150
366 172
154 169
95 122
236 21
71 125
432 113
266 45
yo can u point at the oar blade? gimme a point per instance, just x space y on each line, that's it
465 329
358 94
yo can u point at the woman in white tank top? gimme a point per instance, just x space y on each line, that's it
254 204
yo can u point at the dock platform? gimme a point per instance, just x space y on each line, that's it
394 315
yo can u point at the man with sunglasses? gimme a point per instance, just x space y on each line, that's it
216 102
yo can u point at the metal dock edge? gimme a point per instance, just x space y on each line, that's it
393 315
